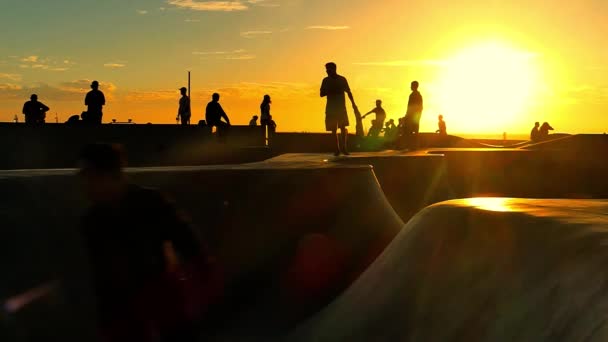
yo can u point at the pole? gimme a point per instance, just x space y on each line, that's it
189 98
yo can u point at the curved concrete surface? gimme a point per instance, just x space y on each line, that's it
290 236
484 269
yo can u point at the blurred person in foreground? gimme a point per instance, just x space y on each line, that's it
152 276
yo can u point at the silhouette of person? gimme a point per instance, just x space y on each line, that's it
214 114
535 133
134 238
34 111
377 124
543 132
333 87
272 125
95 100
414 109
183 111
265 111
442 126
254 121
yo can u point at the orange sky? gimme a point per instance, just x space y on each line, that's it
487 66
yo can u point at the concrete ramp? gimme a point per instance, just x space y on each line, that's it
289 235
482 269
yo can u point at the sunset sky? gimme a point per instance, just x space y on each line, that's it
488 66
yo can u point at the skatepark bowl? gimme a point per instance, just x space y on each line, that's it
298 238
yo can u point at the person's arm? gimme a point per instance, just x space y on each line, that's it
103 99
179 235
324 88
24 111
350 94
87 99
44 108
223 113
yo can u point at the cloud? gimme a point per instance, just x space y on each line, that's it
30 59
405 63
66 91
241 57
38 63
327 27
220 6
253 34
114 65
141 12
200 5
11 77
206 53
153 95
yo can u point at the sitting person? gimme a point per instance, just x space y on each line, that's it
442 127
254 121
535 134
543 132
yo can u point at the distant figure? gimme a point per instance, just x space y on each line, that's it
442 126
272 125
535 133
34 111
377 124
265 110
543 132
254 121
414 109
214 114
136 242
184 112
333 87
73 120
95 100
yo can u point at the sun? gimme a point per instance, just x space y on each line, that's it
488 88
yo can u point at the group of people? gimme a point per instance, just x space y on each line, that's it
35 111
215 116
540 132
335 86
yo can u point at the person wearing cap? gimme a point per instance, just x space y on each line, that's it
34 111
95 100
183 112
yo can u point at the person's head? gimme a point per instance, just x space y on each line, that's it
536 124
440 117
331 68
215 97
378 103
267 99
415 85
95 85
34 97
255 117
183 91
101 171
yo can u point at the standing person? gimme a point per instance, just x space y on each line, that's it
265 111
183 111
136 241
378 124
442 126
535 133
95 100
214 114
34 111
333 87
414 109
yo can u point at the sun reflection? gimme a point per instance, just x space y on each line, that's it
491 204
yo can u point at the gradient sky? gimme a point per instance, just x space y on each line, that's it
488 66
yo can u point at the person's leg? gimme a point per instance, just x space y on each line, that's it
344 132
334 133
